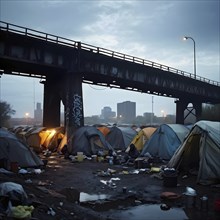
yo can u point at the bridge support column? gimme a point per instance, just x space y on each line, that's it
73 105
180 108
51 107
198 107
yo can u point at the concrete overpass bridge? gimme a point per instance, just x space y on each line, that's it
66 64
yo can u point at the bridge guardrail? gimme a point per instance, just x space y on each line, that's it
79 45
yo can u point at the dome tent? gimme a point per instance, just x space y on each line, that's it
89 140
141 138
200 151
13 150
120 137
165 140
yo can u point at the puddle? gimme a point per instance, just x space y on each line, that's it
85 197
151 212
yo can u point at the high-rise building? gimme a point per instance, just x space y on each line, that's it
107 113
126 111
38 113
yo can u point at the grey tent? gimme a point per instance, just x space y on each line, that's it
13 150
120 137
89 140
200 151
165 140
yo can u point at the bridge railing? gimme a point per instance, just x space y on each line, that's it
79 45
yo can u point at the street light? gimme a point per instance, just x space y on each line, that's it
26 116
194 44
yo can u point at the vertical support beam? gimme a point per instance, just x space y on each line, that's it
180 108
198 107
73 105
51 106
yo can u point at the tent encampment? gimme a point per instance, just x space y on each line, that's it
141 138
89 140
200 152
165 140
13 150
120 137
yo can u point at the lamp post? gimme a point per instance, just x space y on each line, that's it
194 46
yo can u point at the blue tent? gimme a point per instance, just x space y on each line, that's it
120 137
89 140
13 150
165 140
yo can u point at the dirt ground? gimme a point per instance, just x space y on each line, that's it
66 189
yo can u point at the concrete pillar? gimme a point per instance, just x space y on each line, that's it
73 105
180 108
198 107
51 105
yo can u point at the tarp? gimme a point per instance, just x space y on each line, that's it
165 140
89 140
12 149
142 136
200 151
120 137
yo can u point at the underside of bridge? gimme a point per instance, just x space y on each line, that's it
66 64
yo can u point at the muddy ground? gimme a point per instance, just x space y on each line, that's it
67 189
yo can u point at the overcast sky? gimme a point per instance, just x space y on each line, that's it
152 30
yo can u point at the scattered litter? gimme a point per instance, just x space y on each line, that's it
2 170
51 212
134 172
190 191
28 181
15 192
137 202
155 169
124 189
170 195
23 171
184 177
110 182
164 207
47 153
21 212
37 171
109 172
44 183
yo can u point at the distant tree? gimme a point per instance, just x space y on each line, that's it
5 113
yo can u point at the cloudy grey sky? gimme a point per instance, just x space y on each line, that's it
152 30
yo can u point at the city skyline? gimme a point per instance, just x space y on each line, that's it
38 108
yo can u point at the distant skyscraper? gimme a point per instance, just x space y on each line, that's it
107 113
38 113
126 111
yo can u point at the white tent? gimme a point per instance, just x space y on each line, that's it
201 152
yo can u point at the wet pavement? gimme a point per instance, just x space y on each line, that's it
98 190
